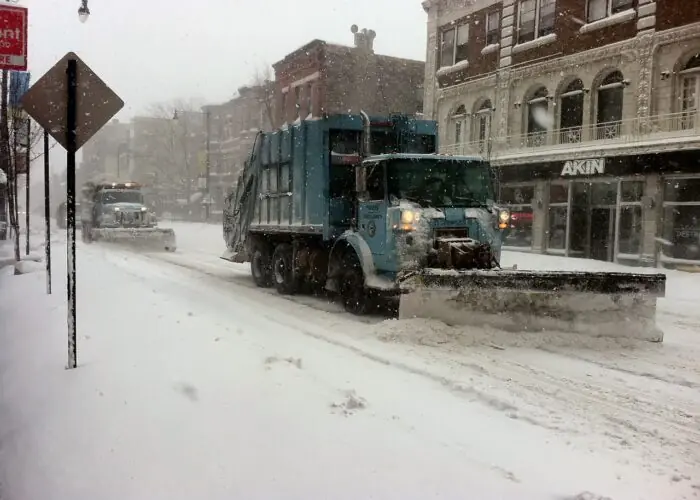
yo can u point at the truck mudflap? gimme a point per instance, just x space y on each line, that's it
148 236
232 255
600 304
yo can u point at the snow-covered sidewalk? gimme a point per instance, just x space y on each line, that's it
193 384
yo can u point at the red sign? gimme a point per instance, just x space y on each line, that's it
13 38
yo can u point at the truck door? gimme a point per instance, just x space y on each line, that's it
372 211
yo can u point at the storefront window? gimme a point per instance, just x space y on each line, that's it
629 237
518 199
558 211
681 224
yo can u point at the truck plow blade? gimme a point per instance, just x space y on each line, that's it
592 303
159 238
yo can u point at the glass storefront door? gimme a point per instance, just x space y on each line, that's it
593 217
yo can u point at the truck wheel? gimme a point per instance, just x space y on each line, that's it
260 267
356 298
283 271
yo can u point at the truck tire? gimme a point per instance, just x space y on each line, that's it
283 270
260 267
357 299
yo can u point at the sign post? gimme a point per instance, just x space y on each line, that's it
27 211
72 103
47 212
71 124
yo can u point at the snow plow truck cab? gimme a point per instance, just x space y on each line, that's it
366 207
115 211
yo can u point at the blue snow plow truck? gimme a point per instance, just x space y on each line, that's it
364 207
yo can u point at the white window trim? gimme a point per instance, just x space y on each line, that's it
497 30
691 73
610 20
454 64
537 42
538 9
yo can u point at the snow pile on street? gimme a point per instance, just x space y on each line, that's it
193 386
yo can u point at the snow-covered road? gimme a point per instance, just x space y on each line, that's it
195 383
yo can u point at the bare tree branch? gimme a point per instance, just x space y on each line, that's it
263 82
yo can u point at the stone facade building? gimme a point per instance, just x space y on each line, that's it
323 78
589 110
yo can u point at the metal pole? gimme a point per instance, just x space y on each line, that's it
26 191
47 212
207 206
15 187
71 142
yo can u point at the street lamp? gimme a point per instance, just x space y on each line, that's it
207 160
83 11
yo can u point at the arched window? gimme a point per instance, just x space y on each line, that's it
571 113
482 124
459 124
690 92
537 117
610 96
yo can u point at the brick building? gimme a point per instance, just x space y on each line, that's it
589 110
323 78
233 127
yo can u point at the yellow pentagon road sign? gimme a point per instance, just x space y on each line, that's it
47 101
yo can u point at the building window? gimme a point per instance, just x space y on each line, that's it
297 101
453 45
558 216
459 124
493 28
610 99
482 125
537 118
571 113
535 19
309 100
681 218
690 92
600 9
518 199
629 237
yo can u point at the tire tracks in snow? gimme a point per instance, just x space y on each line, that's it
627 424
576 407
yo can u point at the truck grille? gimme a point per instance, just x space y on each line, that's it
450 232
130 218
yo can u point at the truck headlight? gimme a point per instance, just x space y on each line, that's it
503 219
408 220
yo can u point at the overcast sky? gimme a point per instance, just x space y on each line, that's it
159 50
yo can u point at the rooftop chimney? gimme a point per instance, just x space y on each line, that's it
364 40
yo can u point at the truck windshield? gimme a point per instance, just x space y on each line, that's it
121 196
440 183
